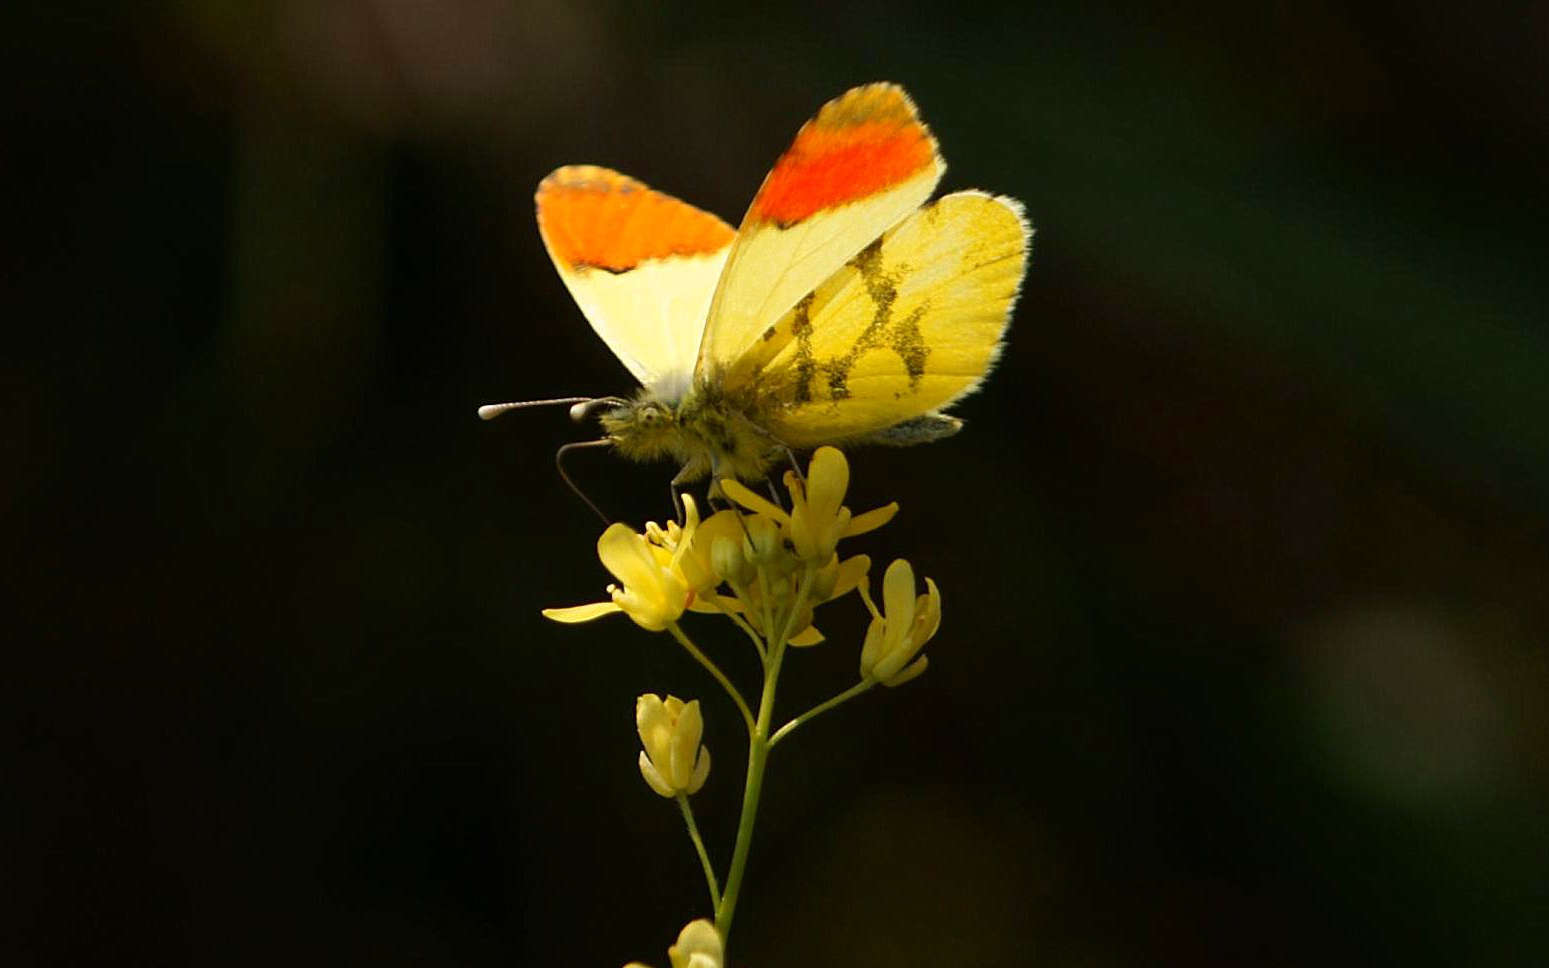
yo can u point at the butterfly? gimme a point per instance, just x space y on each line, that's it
843 310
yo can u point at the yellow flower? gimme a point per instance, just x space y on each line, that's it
653 592
818 517
839 578
659 577
699 946
834 580
699 564
897 633
672 762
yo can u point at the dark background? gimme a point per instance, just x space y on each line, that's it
1243 549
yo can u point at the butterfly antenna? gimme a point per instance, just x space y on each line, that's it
492 410
559 464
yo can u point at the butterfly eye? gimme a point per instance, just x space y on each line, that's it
652 414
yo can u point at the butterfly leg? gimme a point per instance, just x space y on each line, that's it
679 480
774 494
776 444
790 455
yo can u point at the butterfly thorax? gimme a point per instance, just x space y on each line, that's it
705 431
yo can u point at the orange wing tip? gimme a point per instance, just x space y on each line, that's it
865 141
594 217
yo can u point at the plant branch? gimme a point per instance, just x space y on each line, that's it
714 670
699 847
821 708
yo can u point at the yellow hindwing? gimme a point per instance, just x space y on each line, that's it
906 327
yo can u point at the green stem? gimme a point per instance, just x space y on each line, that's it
699 846
741 623
753 787
821 708
764 597
758 757
704 660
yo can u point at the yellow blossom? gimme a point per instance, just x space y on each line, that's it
818 517
652 593
687 550
839 578
901 629
699 564
659 578
699 946
672 762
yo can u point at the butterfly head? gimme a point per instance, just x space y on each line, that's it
644 428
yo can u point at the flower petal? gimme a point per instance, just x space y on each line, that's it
698 944
701 771
581 613
852 571
828 477
909 672
628 556
871 520
807 636
654 779
713 603
898 599
653 721
871 649
740 493
928 616
684 745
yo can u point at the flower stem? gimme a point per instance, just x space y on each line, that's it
758 757
699 846
821 708
715 671
741 623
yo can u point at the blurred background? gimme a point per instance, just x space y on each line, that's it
1243 549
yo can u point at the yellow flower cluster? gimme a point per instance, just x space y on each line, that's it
768 566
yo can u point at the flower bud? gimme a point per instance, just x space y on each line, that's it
699 946
818 518
898 632
729 563
763 544
672 762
